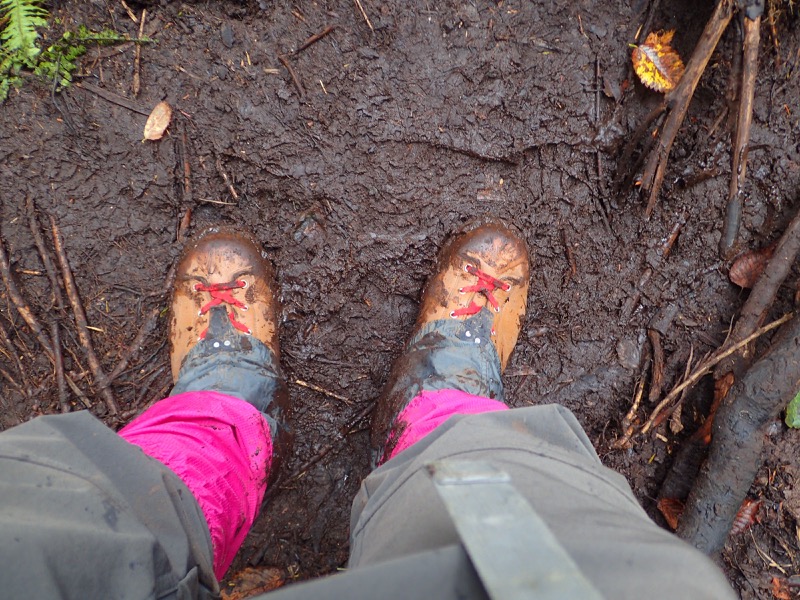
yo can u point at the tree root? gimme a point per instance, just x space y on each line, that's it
736 449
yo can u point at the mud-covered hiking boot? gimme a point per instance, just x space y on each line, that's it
225 268
470 316
224 327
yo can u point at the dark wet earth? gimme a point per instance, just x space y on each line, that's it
352 172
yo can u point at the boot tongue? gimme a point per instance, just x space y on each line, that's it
218 323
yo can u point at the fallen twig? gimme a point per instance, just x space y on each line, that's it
137 57
58 363
736 448
112 97
762 296
733 213
80 320
678 102
21 305
321 390
314 38
666 247
625 175
628 427
183 225
226 179
364 14
705 367
130 12
293 75
657 376
12 352
56 299
187 169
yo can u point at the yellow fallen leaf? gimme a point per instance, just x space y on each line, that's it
657 63
157 122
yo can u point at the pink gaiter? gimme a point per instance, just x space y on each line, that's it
220 446
430 409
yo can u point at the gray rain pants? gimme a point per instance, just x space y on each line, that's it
86 515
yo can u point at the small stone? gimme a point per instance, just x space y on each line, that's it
227 35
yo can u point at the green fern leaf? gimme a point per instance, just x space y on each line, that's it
24 16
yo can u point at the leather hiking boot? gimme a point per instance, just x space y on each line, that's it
486 268
222 267
224 328
470 316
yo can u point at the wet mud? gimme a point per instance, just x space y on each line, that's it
351 166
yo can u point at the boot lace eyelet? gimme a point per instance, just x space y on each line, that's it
243 283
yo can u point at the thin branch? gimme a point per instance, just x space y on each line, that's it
706 366
80 320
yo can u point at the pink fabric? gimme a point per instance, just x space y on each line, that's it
220 446
430 409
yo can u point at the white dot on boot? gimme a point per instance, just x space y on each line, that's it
216 344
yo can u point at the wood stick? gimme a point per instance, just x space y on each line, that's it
137 57
629 420
738 441
58 363
20 303
678 102
733 212
364 14
705 367
112 97
313 39
12 352
293 75
80 320
762 297
130 12
666 247
625 175
226 179
657 377
36 231
321 390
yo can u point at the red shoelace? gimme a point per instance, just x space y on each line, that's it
221 293
486 285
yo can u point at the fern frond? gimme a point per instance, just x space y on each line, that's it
23 17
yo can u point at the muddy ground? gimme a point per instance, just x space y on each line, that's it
353 174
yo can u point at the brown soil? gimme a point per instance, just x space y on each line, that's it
446 112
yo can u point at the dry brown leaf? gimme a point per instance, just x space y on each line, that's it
158 121
780 589
672 509
747 515
251 581
656 63
746 269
